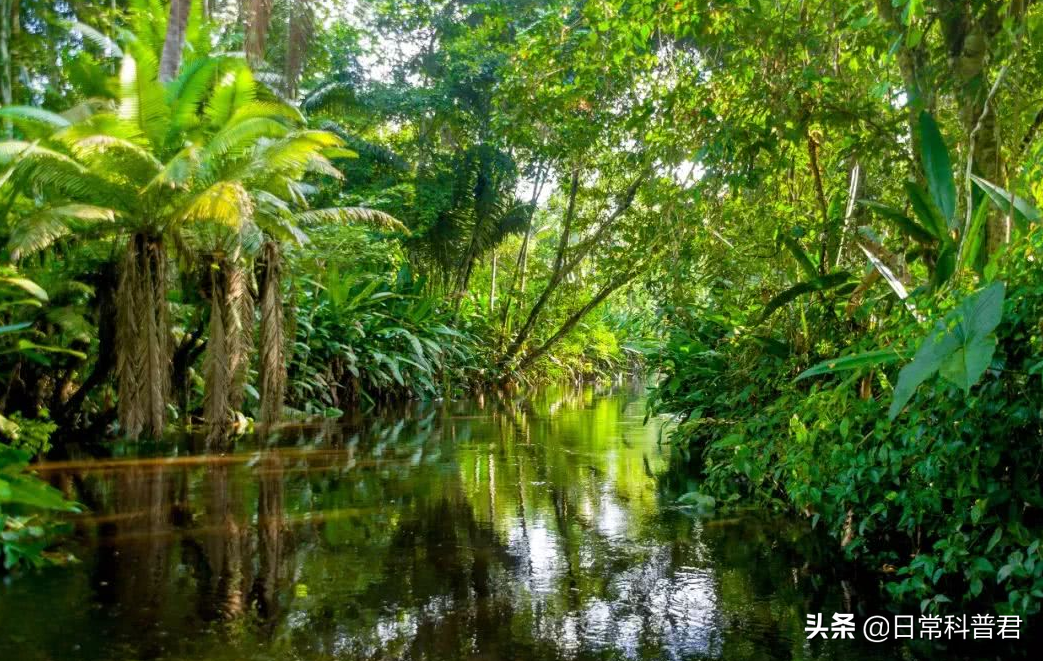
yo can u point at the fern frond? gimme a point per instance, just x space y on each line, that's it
319 164
238 138
270 110
335 97
42 169
178 171
364 148
85 109
290 157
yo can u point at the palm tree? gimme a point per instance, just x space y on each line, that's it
164 164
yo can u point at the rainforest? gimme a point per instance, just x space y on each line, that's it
520 329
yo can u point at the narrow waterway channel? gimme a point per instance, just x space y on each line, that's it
525 527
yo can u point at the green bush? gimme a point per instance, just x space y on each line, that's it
25 530
944 500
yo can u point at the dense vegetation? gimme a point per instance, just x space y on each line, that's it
815 223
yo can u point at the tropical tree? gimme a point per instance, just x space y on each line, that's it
154 164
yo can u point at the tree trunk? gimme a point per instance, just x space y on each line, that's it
174 43
523 252
6 81
227 357
257 14
302 26
563 268
574 319
143 338
105 287
987 158
557 274
912 63
271 364
492 286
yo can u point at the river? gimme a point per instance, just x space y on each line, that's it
506 527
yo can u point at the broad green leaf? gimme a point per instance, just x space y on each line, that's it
966 365
960 346
13 328
826 282
925 364
904 223
926 210
1002 199
977 318
802 257
938 169
852 362
971 244
27 490
27 285
944 267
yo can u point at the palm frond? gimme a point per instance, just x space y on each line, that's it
236 89
353 215
35 121
224 203
89 33
142 99
43 228
132 160
186 92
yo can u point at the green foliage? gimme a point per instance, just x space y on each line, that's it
941 499
29 435
366 336
960 347
938 168
24 534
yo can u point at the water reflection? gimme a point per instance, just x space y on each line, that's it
512 527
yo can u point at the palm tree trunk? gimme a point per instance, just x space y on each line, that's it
227 351
174 43
217 378
143 338
272 365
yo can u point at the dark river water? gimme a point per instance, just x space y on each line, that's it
521 527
